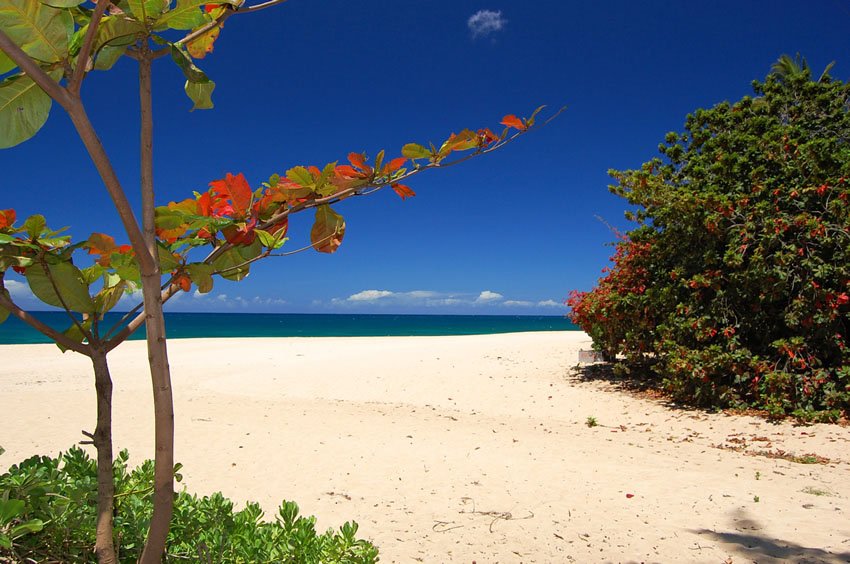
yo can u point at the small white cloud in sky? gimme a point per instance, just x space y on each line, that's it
17 290
487 296
369 295
550 303
517 303
485 22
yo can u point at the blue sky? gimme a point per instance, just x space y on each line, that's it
508 233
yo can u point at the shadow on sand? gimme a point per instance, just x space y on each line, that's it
748 543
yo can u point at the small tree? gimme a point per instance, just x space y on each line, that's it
734 286
50 47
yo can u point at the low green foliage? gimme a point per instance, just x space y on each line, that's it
734 288
48 506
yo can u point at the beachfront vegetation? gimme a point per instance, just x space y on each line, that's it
48 509
734 287
47 50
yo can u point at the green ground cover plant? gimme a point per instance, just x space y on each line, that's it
733 289
48 512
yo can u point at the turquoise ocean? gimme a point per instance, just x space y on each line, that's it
201 325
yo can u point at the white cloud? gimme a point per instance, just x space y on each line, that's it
485 22
17 290
432 299
487 297
369 295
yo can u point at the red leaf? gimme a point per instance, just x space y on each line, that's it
237 190
346 171
241 234
103 245
630 496
183 281
359 160
511 120
7 218
205 204
403 191
395 164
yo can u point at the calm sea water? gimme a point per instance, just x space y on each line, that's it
199 325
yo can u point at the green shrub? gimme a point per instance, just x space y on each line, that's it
734 288
49 506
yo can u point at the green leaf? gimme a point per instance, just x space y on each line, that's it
118 31
415 151
108 297
270 241
9 509
201 274
108 56
300 175
62 3
75 333
201 94
187 14
67 278
198 86
190 71
228 266
167 263
43 32
24 108
32 526
35 225
147 9
4 314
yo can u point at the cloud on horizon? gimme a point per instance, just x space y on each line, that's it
484 22
432 299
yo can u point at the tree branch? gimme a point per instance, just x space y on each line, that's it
171 289
35 72
113 186
85 51
227 13
60 338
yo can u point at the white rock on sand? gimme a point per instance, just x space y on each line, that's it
454 449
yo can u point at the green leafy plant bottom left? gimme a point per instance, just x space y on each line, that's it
48 513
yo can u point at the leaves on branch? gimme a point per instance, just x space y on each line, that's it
328 230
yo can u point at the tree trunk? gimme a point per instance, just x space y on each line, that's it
163 497
102 440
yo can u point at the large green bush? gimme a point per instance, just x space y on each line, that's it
733 287
48 506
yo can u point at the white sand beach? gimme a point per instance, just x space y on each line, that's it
457 449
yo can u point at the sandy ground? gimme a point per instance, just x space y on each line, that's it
457 449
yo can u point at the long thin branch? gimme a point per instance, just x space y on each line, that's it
85 51
172 289
35 72
113 185
226 14
60 338
146 149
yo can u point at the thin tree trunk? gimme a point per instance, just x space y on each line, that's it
163 497
102 440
